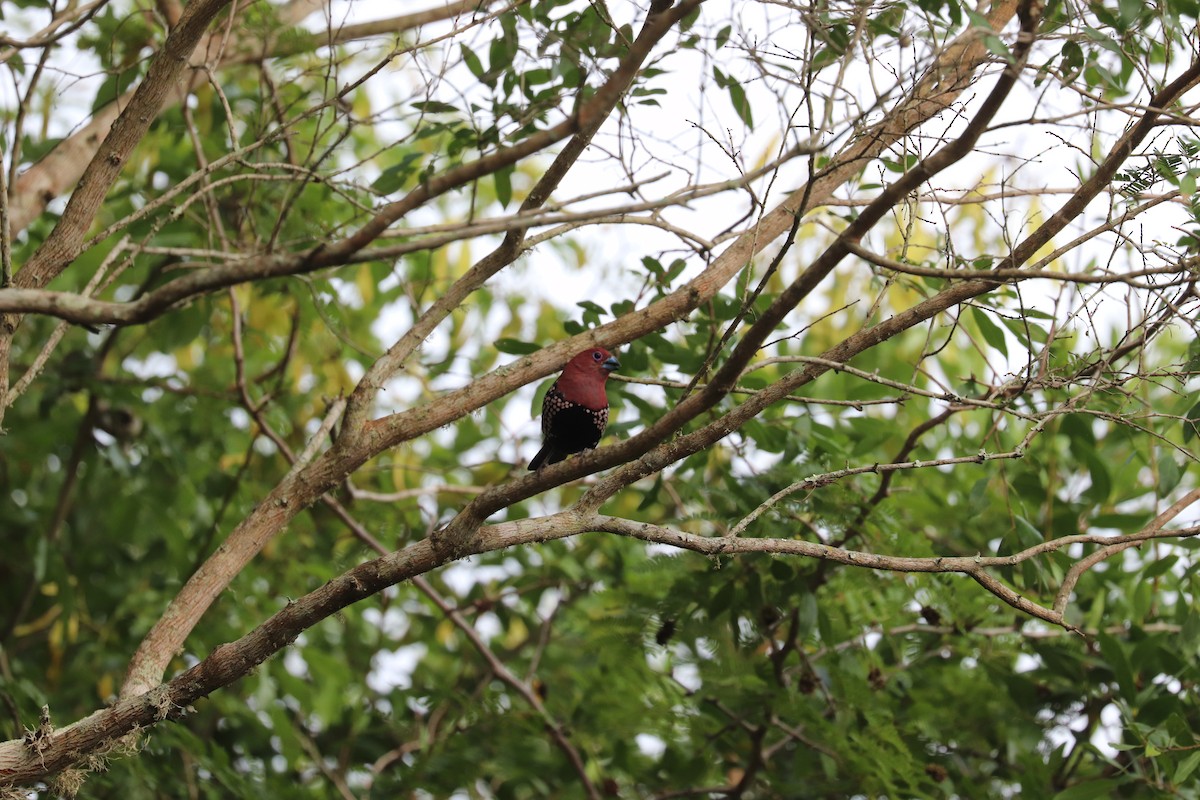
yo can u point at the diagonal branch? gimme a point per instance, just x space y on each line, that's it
303 487
166 70
64 242
665 454
654 28
725 378
356 442
230 662
60 169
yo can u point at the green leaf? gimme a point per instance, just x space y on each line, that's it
650 496
396 176
1187 183
902 165
516 347
1186 768
1129 12
722 36
991 41
472 61
991 332
1102 485
1169 473
113 86
737 96
502 178
1028 534
1114 654
720 602
595 308
1027 333
1190 424
435 107
1126 523
1089 789
1159 566
500 55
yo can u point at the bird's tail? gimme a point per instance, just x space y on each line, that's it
544 456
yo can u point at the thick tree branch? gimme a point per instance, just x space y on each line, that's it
60 169
63 243
83 310
355 443
302 488
230 662
166 70
725 379
598 110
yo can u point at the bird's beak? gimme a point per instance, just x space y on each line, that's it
610 364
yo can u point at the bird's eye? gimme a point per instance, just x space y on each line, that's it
596 355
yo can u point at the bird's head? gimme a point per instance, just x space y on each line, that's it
582 380
596 362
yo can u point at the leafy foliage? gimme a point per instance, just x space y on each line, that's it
1054 403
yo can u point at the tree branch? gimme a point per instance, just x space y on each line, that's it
230 662
725 378
166 69
356 442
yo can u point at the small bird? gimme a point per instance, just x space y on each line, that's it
575 411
